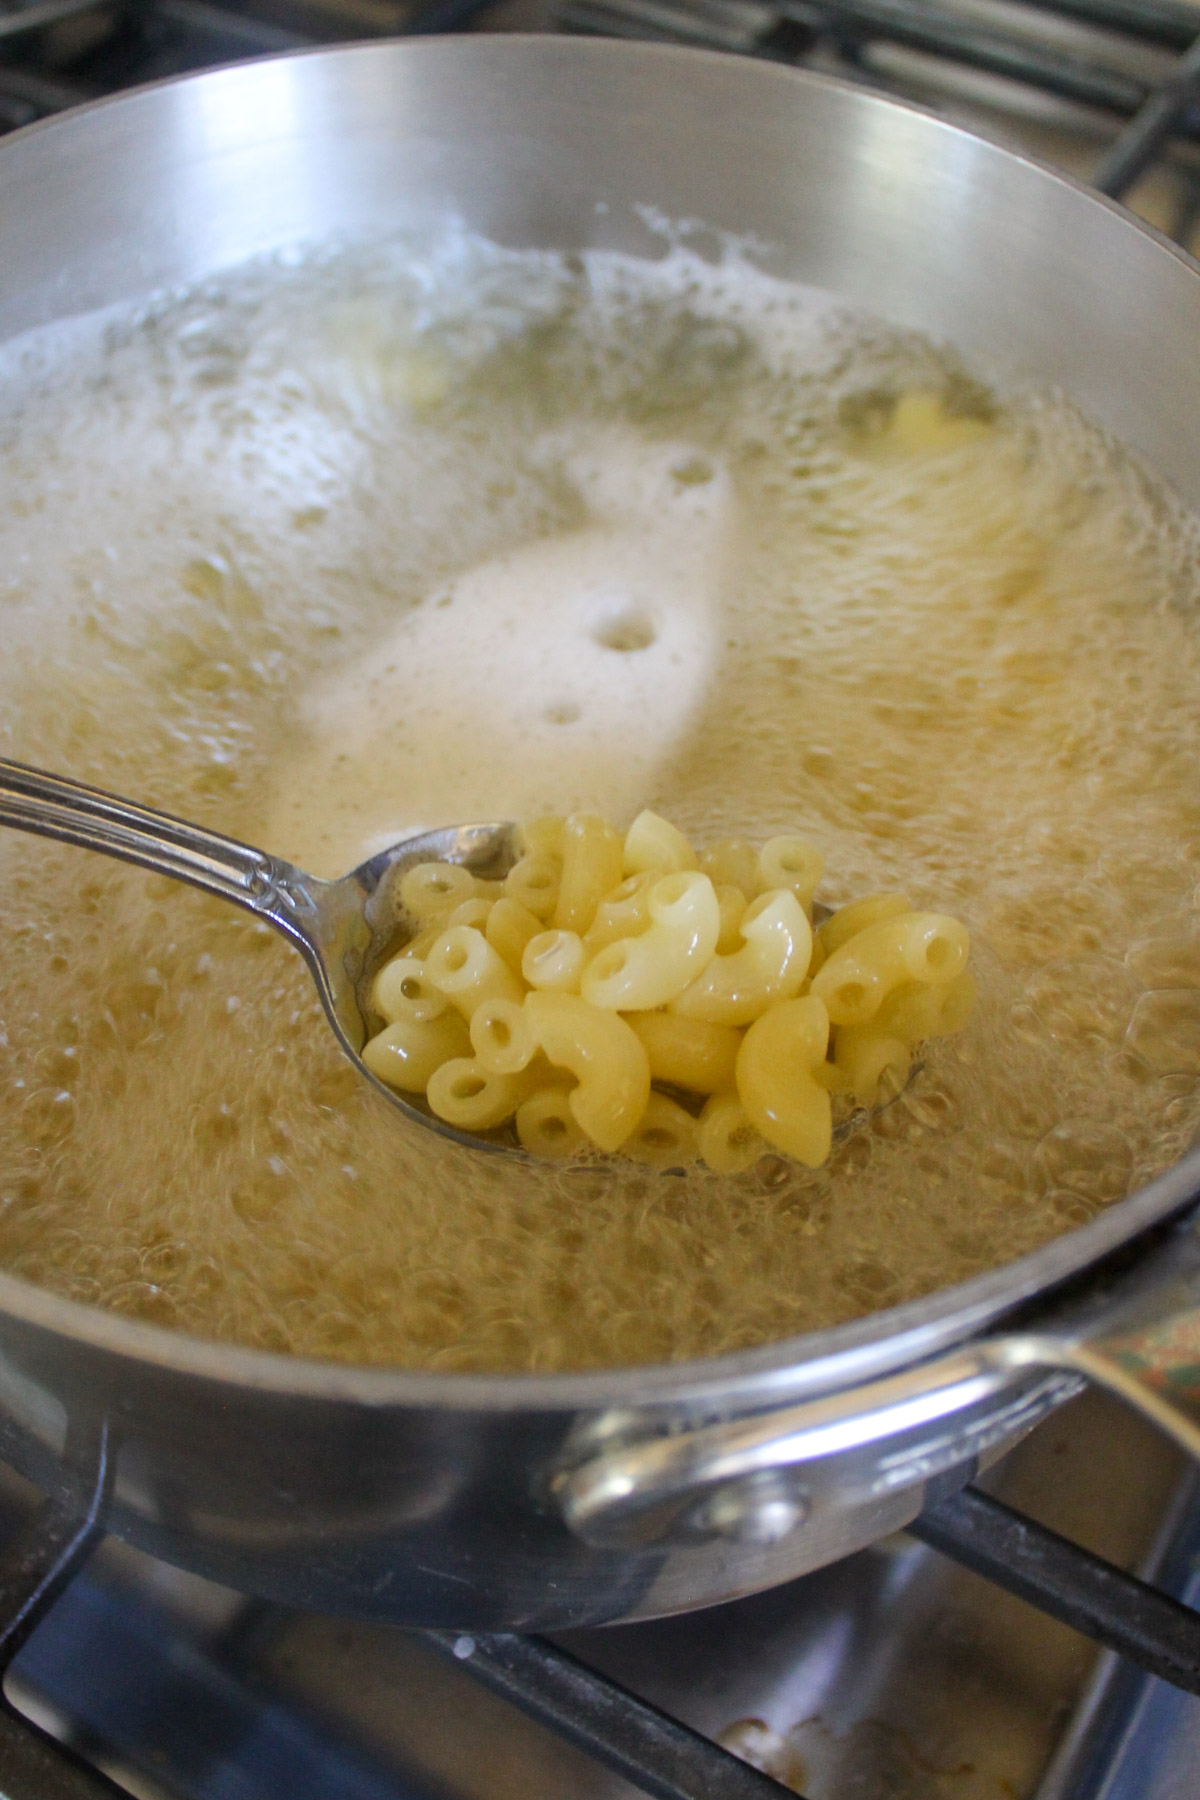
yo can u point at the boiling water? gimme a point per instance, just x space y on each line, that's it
361 541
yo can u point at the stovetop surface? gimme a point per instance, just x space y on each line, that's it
894 1675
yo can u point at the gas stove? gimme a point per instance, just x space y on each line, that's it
902 1673
894 1675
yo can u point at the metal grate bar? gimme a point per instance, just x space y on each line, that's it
939 32
850 25
1055 1575
1145 137
41 1560
623 1732
34 1569
1169 22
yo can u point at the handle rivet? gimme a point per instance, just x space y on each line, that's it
762 1508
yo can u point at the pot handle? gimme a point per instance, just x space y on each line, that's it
754 1479
1138 1336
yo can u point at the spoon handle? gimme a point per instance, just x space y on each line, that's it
54 806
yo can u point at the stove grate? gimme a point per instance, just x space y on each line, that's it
599 1716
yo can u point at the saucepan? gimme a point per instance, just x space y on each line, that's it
557 1501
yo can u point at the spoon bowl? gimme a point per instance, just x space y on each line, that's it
344 929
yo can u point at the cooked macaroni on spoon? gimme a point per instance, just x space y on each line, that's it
628 995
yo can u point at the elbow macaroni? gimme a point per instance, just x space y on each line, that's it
639 973
771 965
558 1005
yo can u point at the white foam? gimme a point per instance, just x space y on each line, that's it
560 675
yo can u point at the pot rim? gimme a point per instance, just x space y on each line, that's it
812 1362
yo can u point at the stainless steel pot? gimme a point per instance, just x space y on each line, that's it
562 1501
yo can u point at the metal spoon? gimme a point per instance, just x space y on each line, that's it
343 929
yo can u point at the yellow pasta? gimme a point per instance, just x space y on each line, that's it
857 978
732 863
732 902
865 1054
543 836
464 1093
654 843
463 966
408 1052
554 960
404 991
591 854
471 912
533 883
509 928
915 1012
552 1002
726 1136
848 921
776 1079
605 1056
771 965
688 1053
665 1137
623 913
546 1126
502 1037
790 862
639 973
428 890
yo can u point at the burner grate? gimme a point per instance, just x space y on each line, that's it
621 1731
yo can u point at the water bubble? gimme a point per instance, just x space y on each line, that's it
1165 1030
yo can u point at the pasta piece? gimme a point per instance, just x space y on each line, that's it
502 1037
732 902
591 866
833 1079
533 882
554 960
463 966
402 990
606 1058
653 843
546 1126
848 921
428 890
920 422
470 912
509 928
666 1138
622 913
543 836
727 1138
488 887
772 965
465 1094
688 1053
639 973
855 981
408 1052
776 1082
916 1012
424 941
789 862
865 1054
732 862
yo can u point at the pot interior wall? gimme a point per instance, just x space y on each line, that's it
565 143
